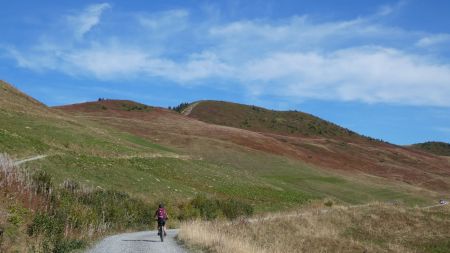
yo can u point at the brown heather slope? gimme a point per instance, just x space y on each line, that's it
172 128
290 123
330 146
311 140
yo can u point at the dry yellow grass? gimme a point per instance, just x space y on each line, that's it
372 228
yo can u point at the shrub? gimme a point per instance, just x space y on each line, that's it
213 208
188 212
328 203
232 208
208 208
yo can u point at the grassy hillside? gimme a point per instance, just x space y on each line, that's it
284 158
437 148
151 154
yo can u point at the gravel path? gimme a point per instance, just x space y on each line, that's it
147 241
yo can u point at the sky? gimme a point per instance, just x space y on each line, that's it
380 68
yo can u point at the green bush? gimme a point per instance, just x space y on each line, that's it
118 208
212 208
208 208
232 208
188 212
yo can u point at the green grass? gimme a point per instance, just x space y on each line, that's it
143 142
22 135
170 178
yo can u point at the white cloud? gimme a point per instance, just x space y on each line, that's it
433 40
105 62
358 74
198 66
116 61
295 58
83 22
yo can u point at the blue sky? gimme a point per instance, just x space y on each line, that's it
381 68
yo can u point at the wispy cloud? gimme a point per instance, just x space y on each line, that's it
388 9
435 39
293 58
83 22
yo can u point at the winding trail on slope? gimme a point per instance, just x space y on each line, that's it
189 109
141 242
19 162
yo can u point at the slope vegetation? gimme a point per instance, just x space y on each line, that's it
437 148
329 146
225 161
258 119
153 153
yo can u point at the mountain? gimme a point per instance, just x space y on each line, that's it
437 148
291 155
275 161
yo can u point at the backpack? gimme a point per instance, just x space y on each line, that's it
162 213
